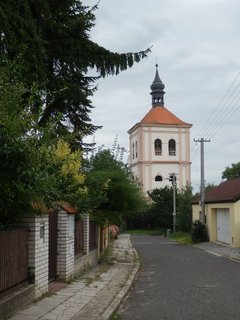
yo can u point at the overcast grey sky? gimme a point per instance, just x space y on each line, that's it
196 44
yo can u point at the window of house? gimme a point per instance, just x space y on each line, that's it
158 178
172 147
136 149
158 147
133 150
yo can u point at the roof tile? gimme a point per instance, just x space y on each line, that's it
161 115
227 191
68 207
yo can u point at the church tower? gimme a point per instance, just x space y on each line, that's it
160 145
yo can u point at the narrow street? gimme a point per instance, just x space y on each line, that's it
180 282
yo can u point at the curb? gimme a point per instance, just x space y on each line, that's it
234 258
123 292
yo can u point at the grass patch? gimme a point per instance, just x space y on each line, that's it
181 237
151 232
115 316
106 257
44 295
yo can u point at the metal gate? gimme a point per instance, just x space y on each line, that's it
53 233
223 226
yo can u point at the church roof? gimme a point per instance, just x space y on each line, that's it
158 114
161 115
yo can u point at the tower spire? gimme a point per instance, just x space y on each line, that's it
157 92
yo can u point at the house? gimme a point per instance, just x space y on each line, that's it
222 209
159 144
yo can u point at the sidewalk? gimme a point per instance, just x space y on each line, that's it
95 295
219 249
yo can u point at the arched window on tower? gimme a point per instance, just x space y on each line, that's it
158 147
172 147
158 178
133 150
136 149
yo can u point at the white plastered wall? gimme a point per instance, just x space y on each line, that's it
211 220
146 166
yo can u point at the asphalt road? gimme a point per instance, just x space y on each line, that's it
178 282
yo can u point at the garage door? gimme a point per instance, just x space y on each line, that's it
223 226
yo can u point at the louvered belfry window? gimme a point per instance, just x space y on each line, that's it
158 147
172 147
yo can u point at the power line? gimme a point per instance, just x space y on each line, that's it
213 115
219 117
224 120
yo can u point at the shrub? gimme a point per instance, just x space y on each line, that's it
184 209
199 232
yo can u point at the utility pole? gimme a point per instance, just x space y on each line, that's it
202 199
173 179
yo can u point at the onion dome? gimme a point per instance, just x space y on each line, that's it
157 92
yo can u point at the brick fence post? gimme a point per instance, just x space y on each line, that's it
65 258
38 249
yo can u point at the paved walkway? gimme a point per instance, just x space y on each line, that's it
95 295
220 249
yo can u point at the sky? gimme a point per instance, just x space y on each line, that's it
196 44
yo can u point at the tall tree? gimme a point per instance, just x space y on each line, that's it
162 207
53 40
35 170
113 192
232 171
24 160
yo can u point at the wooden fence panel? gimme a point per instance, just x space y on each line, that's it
92 236
53 237
78 241
13 258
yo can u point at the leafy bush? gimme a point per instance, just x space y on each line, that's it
199 232
114 195
184 209
160 213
